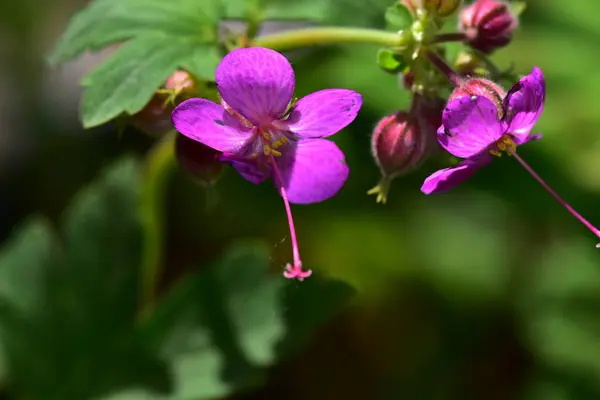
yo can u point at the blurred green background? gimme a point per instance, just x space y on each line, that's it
491 291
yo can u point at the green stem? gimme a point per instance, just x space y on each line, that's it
322 36
160 163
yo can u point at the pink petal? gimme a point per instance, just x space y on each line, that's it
445 179
313 171
256 82
470 126
209 123
323 113
524 104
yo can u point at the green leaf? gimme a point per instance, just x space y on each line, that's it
219 329
398 17
128 80
390 61
261 10
113 21
103 239
86 298
160 37
24 265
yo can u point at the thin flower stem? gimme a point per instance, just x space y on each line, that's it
160 164
296 270
584 221
449 37
332 35
442 66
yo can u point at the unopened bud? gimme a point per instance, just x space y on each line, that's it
481 87
488 24
197 159
155 118
438 8
399 145
181 83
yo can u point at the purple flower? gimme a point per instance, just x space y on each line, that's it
262 137
475 129
258 85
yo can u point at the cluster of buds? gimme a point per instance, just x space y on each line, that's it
401 142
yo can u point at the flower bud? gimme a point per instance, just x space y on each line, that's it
481 87
181 83
439 8
399 145
155 118
488 24
197 159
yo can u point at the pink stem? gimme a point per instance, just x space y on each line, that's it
296 270
584 221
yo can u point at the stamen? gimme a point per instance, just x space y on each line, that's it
566 205
266 135
495 153
291 271
275 153
266 149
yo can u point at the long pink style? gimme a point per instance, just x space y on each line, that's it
295 270
566 205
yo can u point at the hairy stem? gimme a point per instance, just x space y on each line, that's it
331 35
449 37
442 66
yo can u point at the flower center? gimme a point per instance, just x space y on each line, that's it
504 144
268 141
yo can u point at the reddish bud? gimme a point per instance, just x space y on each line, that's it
197 159
488 24
155 118
400 143
481 87
181 83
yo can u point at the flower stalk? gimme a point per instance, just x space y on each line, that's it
453 77
566 205
329 35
